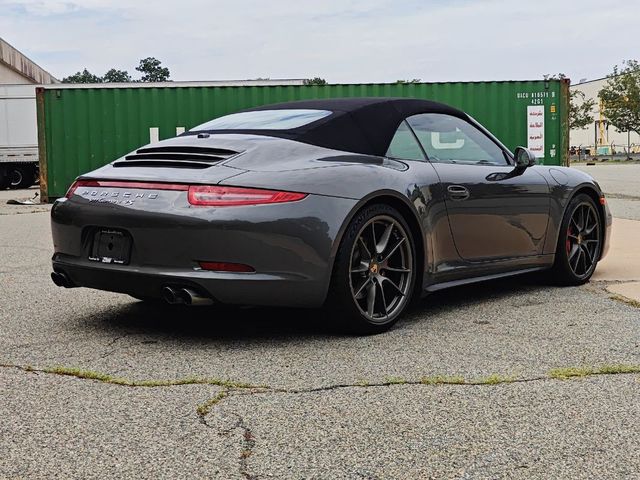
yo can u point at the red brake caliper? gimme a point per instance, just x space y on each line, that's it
569 232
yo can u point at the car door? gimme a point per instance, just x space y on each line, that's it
495 211
425 192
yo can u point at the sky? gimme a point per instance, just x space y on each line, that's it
343 41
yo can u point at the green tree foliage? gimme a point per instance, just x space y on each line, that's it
621 97
580 106
315 81
116 76
84 76
152 70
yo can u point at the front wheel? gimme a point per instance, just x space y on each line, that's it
579 242
374 271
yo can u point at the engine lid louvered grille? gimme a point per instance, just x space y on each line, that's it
176 156
162 163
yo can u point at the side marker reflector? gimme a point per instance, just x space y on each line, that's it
226 267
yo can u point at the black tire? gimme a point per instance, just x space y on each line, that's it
579 242
359 296
20 176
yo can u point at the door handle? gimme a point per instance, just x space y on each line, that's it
458 192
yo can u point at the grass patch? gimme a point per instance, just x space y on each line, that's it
618 368
495 379
623 299
106 378
204 408
86 374
394 381
613 369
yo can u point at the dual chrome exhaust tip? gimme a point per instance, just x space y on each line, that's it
184 296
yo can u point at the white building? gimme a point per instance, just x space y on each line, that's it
607 136
15 68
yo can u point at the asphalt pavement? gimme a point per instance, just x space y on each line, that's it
509 379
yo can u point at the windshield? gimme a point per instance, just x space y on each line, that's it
264 120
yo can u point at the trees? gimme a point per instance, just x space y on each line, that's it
580 109
580 106
115 75
152 71
150 67
315 81
84 76
621 97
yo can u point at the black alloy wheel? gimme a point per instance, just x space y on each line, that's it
381 261
375 271
583 239
580 242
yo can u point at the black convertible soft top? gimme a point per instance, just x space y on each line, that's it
360 125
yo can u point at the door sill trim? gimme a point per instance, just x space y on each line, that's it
465 281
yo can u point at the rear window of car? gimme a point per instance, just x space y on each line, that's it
264 120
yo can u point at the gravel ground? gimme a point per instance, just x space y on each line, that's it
320 405
32 193
548 429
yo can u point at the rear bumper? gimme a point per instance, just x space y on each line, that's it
291 247
228 288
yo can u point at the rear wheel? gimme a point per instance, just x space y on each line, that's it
374 271
579 242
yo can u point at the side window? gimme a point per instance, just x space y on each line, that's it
448 139
404 145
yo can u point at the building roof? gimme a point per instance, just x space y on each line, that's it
18 62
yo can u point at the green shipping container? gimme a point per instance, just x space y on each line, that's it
81 128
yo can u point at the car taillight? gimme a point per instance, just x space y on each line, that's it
220 196
201 195
75 185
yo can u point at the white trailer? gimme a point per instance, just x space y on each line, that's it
18 136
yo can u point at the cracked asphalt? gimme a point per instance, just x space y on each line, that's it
318 404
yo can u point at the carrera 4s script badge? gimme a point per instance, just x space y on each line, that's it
116 197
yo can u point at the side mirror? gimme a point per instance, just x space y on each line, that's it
524 158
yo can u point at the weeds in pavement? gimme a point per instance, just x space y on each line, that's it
106 378
569 372
204 408
229 386
394 381
495 379
623 299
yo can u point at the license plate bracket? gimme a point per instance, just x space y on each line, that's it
110 246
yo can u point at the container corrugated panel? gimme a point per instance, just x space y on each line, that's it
81 129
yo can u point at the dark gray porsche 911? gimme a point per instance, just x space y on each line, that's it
359 204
